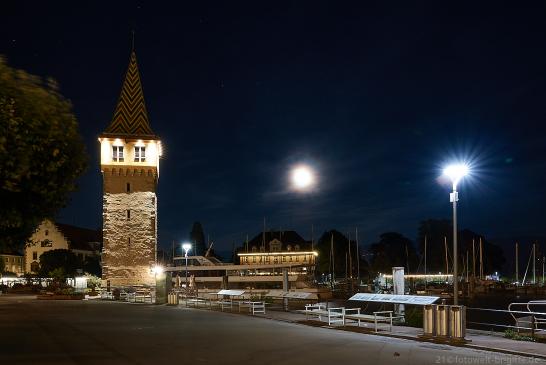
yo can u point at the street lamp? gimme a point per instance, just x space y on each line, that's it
186 247
455 173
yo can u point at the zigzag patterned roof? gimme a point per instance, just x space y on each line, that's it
130 116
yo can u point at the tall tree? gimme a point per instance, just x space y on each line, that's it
197 239
41 153
393 249
341 248
59 259
92 266
435 231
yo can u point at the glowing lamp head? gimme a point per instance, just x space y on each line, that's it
157 269
456 172
302 177
186 247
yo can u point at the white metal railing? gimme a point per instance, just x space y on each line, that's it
527 318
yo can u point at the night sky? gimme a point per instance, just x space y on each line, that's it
376 97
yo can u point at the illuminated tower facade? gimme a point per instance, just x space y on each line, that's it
130 153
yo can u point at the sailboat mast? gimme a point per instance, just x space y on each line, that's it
447 262
346 264
312 238
473 259
263 237
481 259
517 263
467 266
425 263
350 258
534 263
333 260
357 257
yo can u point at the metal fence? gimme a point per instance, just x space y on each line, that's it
528 318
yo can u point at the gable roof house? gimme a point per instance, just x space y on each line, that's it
49 236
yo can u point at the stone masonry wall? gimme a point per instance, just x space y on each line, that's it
129 240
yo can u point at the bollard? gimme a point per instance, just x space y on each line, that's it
441 321
457 322
429 314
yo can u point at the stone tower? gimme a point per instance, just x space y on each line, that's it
130 153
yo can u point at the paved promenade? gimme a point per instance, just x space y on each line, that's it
98 332
478 339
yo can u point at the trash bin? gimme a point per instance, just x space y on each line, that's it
442 321
457 322
429 312
173 299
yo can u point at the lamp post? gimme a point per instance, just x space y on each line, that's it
186 247
455 174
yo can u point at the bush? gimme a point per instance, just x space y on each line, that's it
513 335
414 317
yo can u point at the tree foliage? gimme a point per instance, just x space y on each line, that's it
341 250
59 259
437 231
92 266
41 153
197 239
393 249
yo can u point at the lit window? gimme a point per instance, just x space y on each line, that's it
117 153
140 154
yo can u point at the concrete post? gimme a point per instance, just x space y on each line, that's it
163 285
398 287
285 287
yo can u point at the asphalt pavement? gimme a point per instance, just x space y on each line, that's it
100 332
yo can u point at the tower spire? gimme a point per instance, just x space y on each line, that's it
130 116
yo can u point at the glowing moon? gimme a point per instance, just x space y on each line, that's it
302 177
